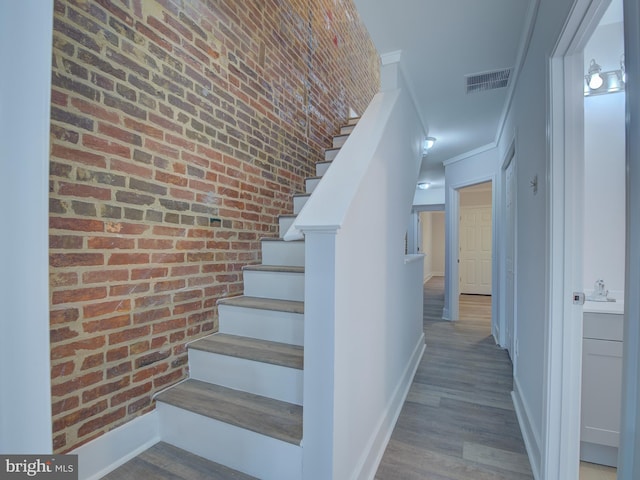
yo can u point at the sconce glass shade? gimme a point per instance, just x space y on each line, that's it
427 144
595 80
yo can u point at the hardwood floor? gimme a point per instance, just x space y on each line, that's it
458 421
166 462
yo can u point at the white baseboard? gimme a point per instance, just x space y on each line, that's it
427 278
109 451
377 444
530 436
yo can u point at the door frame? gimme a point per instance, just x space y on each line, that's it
563 359
451 309
506 325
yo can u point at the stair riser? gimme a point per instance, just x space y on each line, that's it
283 253
237 448
346 130
330 155
298 203
263 379
311 184
339 140
321 168
275 326
278 285
284 223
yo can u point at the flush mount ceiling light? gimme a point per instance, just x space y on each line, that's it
423 185
427 144
597 82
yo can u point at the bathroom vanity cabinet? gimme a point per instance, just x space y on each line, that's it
601 387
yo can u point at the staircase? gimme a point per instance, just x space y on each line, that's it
242 404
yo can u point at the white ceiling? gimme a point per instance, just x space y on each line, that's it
442 41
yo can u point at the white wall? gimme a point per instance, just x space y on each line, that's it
25 85
604 205
433 243
427 243
363 306
527 122
430 196
438 242
478 168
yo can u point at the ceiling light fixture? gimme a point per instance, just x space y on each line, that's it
428 143
597 82
423 185
594 79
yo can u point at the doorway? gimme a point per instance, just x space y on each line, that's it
475 250
566 259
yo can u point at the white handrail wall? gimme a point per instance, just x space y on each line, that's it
363 297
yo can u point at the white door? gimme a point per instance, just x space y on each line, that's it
475 250
510 253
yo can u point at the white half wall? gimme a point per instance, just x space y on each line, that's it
25 96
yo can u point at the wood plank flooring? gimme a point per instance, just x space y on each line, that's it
458 421
166 462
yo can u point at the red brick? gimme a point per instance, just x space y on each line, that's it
147 273
70 349
106 146
76 383
62 369
81 156
79 415
63 279
67 315
78 295
95 110
97 423
128 258
76 224
128 335
151 315
65 405
105 276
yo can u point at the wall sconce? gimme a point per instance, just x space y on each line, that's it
597 82
427 144
423 185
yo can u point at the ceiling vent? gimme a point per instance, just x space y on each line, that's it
488 81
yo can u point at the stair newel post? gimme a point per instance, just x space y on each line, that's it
319 355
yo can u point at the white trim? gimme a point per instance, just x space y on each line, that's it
452 234
369 462
563 335
391 57
470 153
114 448
531 439
25 100
525 43
629 455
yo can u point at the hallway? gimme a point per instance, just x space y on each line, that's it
458 422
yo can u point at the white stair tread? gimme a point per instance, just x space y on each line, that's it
275 353
266 416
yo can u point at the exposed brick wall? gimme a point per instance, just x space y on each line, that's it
179 130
